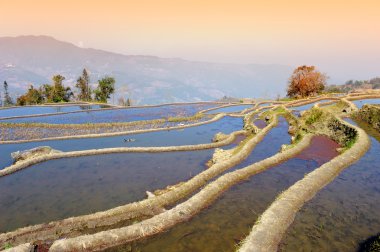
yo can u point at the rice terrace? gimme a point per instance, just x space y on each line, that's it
201 126
150 182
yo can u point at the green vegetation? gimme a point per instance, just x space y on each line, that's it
314 116
371 245
106 87
56 92
33 96
60 93
83 86
189 118
8 246
370 114
287 99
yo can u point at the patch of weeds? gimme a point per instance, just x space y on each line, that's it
314 116
8 246
280 110
350 142
372 244
297 138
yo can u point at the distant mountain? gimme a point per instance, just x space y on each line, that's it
146 79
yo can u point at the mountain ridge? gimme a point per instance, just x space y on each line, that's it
146 79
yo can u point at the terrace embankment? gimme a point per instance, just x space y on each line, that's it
268 231
45 156
181 212
104 107
29 132
144 208
370 114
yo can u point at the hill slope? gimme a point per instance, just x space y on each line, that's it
147 79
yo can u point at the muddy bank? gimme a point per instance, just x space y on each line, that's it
370 114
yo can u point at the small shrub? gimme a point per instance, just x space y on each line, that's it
8 246
315 116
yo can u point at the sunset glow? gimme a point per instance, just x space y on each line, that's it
338 35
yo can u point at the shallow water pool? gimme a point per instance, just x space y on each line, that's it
119 115
192 135
25 111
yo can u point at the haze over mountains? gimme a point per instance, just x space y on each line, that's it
34 60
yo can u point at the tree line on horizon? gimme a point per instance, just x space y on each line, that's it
57 92
373 83
305 81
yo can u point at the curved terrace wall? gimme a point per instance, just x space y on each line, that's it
111 107
56 155
269 229
147 207
370 114
180 213
119 133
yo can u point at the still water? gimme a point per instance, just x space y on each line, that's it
360 103
226 222
193 135
24 111
119 115
345 212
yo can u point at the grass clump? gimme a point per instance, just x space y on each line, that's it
8 246
315 115
185 119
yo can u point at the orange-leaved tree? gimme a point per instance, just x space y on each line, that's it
306 81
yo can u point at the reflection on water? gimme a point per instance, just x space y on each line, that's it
360 103
22 111
120 115
73 186
345 212
192 135
225 223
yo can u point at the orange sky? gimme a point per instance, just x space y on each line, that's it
340 36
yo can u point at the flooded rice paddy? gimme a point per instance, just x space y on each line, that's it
34 110
360 103
227 221
188 136
68 187
346 212
341 216
119 115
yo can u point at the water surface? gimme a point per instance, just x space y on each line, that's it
67 187
360 103
192 135
345 212
24 111
226 222
120 115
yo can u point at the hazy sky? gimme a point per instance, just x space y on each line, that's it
341 37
